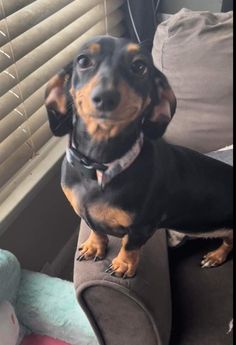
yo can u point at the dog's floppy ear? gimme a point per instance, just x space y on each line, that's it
58 102
163 105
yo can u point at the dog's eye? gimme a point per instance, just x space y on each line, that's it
139 67
84 61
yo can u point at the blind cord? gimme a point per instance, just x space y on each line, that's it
132 22
155 9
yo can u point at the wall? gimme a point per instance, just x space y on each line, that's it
170 6
42 228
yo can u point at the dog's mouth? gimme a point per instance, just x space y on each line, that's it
112 117
126 114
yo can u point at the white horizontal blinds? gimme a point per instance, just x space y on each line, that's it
53 45
12 6
39 33
22 20
15 118
24 154
37 38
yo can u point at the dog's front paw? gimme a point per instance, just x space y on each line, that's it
94 248
124 265
120 268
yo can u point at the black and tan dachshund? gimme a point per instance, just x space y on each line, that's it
119 175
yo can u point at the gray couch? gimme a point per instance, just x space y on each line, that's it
172 300
131 311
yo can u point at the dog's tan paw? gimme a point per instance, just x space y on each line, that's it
124 265
94 248
218 256
121 269
214 259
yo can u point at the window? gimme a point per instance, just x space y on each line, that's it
37 38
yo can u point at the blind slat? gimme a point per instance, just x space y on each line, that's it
24 19
52 46
31 105
22 134
32 38
31 173
12 6
34 81
9 123
23 154
3 27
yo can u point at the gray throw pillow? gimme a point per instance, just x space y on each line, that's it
195 51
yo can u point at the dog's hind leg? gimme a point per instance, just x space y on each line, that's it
219 256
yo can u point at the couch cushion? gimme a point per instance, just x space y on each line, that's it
202 298
194 50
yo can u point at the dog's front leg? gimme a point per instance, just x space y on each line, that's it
126 262
94 247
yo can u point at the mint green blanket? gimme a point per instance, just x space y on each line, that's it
44 305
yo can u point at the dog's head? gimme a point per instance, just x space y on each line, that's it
111 83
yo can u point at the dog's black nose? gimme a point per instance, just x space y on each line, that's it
106 100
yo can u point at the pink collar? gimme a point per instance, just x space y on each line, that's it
119 165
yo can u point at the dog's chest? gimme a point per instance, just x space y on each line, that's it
109 217
98 209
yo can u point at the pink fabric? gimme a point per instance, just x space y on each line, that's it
35 339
